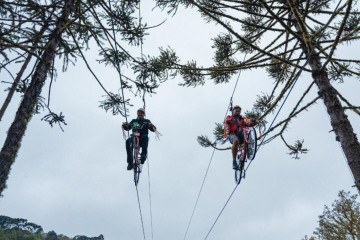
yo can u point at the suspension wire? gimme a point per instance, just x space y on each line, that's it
141 217
198 197
227 201
277 114
141 51
118 68
232 193
211 158
144 106
151 215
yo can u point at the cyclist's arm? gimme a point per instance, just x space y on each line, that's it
152 127
127 126
252 122
228 119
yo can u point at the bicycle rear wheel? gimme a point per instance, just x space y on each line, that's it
136 162
137 172
240 160
251 144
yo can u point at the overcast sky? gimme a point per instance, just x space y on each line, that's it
75 182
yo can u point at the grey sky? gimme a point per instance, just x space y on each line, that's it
75 182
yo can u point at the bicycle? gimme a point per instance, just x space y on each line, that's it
135 149
246 151
136 156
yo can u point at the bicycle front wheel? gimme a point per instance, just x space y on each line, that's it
251 144
136 161
240 160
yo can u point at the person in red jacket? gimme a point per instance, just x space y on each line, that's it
233 124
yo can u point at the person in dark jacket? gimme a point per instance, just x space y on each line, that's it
143 126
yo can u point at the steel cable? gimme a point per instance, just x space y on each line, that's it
141 217
211 158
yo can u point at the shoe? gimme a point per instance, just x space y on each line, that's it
130 166
235 165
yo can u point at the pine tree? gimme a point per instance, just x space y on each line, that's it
35 33
290 39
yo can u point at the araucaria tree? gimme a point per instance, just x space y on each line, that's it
34 33
291 39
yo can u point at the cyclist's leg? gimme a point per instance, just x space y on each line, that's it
234 148
240 136
144 141
129 153
235 142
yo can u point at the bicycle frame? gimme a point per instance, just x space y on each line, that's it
136 156
247 150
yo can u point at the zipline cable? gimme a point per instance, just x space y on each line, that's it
141 218
232 193
144 106
118 67
277 114
211 158
197 199
151 215
218 216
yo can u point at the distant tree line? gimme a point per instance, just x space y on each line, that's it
18 228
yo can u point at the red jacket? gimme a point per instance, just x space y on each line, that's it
233 123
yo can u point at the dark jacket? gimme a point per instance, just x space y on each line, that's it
141 125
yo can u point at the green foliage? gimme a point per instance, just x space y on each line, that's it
219 131
288 39
19 235
338 72
204 141
51 236
21 229
101 237
192 75
7 223
53 118
152 70
351 25
223 49
224 52
278 70
262 104
115 103
27 27
341 221
297 149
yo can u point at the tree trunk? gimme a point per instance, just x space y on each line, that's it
339 121
26 109
21 72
